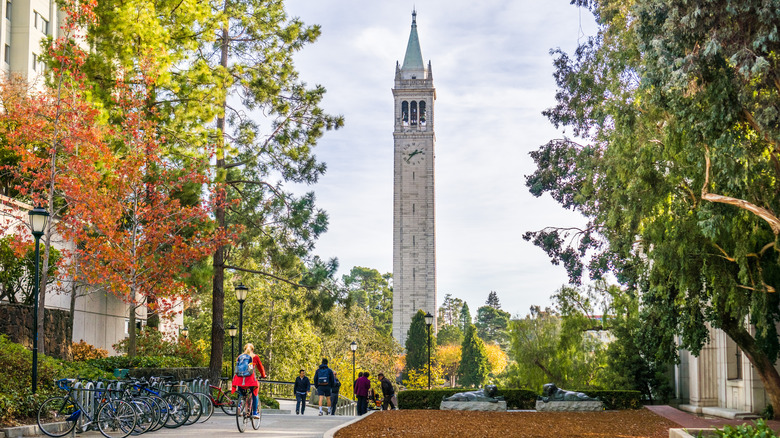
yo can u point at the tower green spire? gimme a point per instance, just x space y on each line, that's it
413 60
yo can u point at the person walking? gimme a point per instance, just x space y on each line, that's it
301 389
323 380
334 394
387 392
362 385
354 385
248 364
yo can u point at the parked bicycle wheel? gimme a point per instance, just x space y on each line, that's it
58 416
207 406
116 419
196 408
228 402
160 407
178 410
146 416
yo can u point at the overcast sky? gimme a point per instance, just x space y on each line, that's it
493 77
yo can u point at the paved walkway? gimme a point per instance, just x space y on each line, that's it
272 425
688 420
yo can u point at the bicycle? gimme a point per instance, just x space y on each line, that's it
177 406
58 415
244 409
225 400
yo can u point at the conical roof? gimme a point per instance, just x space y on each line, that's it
413 59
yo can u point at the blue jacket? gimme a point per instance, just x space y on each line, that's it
324 369
302 385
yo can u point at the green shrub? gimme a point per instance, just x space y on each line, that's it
17 403
108 364
431 399
768 413
268 402
150 342
616 400
760 430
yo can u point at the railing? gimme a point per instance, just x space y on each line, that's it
277 389
344 406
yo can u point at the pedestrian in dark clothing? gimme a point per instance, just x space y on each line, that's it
387 392
323 380
362 385
354 384
334 394
301 389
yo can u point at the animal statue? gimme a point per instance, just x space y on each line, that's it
486 394
550 392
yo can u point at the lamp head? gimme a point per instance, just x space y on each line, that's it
185 331
428 319
241 292
353 346
232 330
39 217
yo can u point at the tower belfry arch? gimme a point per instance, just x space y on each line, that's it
414 225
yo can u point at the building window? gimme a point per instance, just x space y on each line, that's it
405 112
414 112
733 360
422 112
8 9
7 55
41 23
35 62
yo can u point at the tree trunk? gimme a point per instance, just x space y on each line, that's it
131 350
760 361
218 284
218 310
74 290
269 339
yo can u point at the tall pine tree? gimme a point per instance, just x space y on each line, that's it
465 317
474 368
417 343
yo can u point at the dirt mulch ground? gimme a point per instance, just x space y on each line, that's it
419 423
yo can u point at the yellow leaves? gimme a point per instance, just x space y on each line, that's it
496 358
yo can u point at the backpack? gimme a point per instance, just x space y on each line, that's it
244 366
322 377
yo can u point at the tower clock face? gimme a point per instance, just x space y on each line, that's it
413 153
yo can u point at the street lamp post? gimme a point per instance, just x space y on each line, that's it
38 219
232 332
353 347
241 293
429 322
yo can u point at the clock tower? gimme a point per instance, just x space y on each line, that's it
414 225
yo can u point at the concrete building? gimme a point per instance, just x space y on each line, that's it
721 381
25 24
414 225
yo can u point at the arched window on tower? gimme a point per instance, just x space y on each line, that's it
422 113
405 113
414 113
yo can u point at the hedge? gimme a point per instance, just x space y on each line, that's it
515 398
616 399
431 399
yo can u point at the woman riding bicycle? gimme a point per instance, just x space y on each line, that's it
245 378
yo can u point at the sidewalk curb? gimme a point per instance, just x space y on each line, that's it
19 431
331 432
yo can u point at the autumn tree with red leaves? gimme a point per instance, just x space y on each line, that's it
101 174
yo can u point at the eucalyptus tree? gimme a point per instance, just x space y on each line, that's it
676 167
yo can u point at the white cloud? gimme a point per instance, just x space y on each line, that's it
493 75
